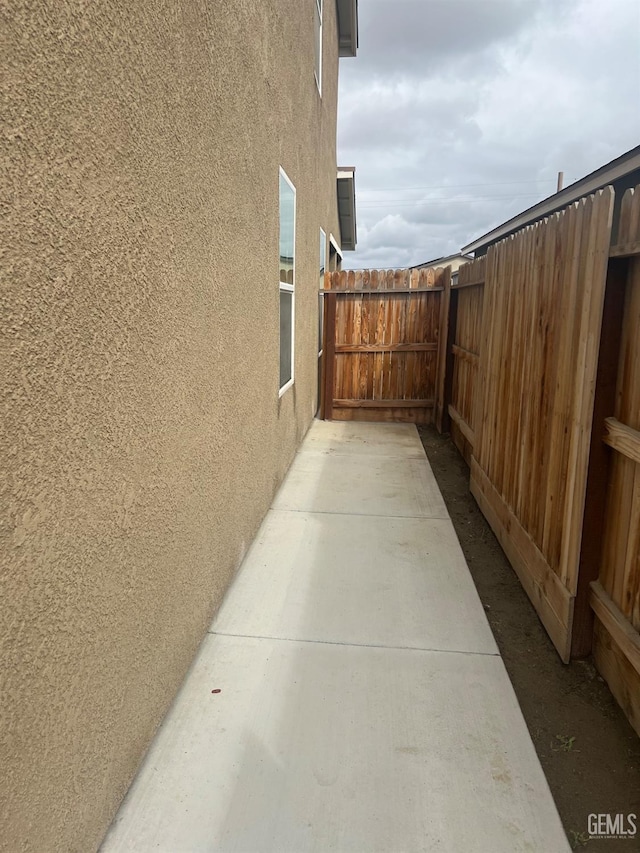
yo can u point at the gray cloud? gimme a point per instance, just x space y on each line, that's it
414 37
459 114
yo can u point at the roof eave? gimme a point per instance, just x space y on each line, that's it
346 191
347 27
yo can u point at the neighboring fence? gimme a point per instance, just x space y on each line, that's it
382 344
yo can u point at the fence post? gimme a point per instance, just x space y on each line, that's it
445 360
478 402
329 354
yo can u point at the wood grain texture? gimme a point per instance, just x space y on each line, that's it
622 438
462 425
383 404
615 622
620 675
625 250
548 595
595 519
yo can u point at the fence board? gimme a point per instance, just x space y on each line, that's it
599 460
622 438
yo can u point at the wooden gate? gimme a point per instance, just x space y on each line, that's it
382 344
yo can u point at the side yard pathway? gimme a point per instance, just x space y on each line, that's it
363 704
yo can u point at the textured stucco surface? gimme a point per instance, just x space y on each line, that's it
143 437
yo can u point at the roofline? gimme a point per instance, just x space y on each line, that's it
441 260
346 198
611 171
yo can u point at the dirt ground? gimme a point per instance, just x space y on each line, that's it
589 752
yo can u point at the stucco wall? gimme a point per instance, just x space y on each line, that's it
143 436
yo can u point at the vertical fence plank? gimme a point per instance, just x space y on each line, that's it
590 325
599 459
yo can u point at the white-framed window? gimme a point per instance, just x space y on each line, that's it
287 280
335 255
323 266
318 44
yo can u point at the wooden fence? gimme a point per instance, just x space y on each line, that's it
382 344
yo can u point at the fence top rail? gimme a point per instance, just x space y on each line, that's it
475 283
391 280
400 291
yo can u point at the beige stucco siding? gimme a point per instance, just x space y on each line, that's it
143 436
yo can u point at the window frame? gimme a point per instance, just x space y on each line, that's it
286 287
318 46
337 254
323 243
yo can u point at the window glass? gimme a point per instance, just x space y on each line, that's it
318 44
287 229
323 260
286 331
335 258
323 255
287 279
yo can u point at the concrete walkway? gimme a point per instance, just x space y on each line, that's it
363 704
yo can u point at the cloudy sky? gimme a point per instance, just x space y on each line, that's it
458 114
